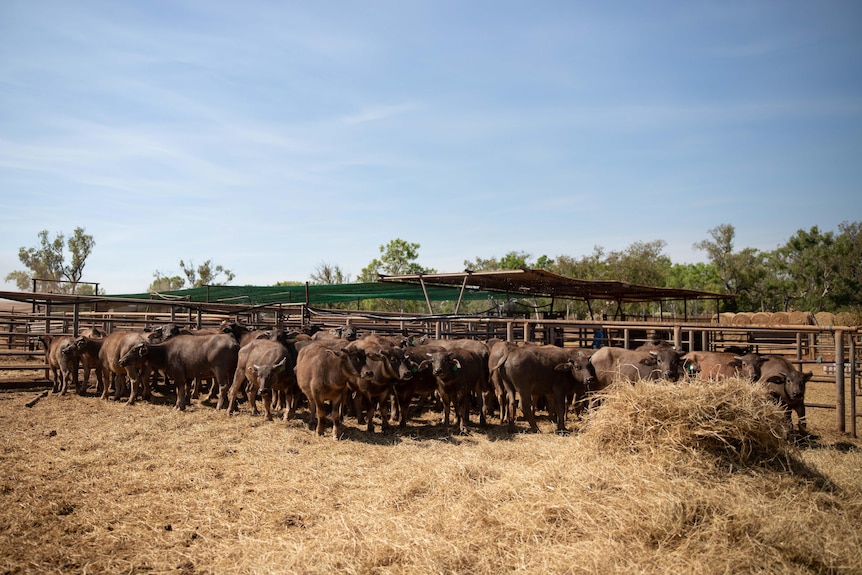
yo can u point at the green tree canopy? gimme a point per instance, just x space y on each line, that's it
48 262
328 274
398 257
206 274
163 283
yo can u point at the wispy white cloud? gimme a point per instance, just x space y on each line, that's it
378 113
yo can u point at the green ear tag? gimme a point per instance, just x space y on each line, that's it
414 370
454 368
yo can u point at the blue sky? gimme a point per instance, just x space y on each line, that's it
274 136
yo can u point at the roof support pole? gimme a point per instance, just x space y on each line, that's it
590 309
460 296
839 382
852 360
427 299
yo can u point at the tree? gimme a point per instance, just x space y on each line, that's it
591 267
848 251
163 283
640 263
742 273
205 274
328 274
48 262
511 261
398 257
811 268
720 254
696 276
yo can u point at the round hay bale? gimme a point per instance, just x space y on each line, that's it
824 318
760 318
844 318
801 318
741 319
726 318
779 318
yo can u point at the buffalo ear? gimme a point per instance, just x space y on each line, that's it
563 366
649 360
807 375
423 365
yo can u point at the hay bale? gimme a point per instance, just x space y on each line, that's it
726 318
824 318
801 318
844 319
779 318
760 318
730 420
741 319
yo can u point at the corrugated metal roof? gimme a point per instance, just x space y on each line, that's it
542 283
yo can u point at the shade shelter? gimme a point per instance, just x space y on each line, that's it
531 282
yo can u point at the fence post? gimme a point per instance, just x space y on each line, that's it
853 385
839 381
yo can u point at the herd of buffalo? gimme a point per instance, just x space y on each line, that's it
372 374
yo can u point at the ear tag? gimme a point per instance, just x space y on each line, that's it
414 369
454 368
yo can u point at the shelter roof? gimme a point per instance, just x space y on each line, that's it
542 283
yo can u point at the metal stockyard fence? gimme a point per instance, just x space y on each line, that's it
828 350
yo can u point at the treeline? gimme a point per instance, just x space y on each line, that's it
814 271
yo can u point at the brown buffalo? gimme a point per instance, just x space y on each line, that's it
268 365
63 365
610 363
720 365
347 332
459 372
532 371
386 360
324 370
423 383
496 351
185 357
106 353
787 385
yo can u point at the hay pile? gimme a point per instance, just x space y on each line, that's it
729 421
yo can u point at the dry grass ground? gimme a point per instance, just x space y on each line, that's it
660 479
